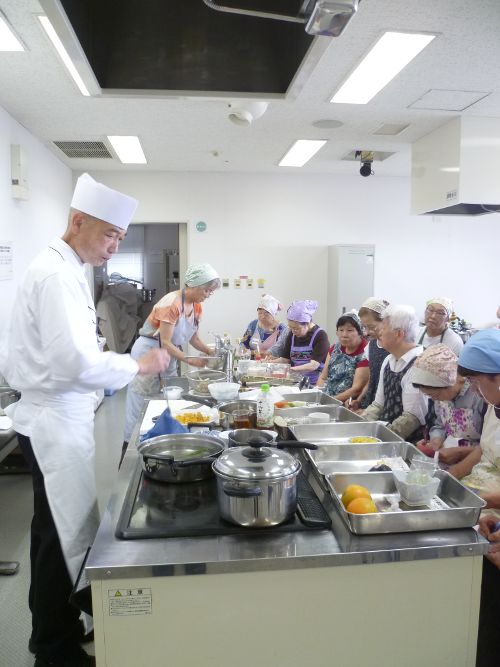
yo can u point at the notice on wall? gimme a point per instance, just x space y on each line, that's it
225 283
155 256
6 260
130 602
249 283
237 283
261 283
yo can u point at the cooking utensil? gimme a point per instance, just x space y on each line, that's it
200 379
166 458
226 416
224 391
257 485
240 437
338 433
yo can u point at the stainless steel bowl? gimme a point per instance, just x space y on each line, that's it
200 379
226 418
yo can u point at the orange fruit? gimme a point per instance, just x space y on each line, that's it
354 491
362 506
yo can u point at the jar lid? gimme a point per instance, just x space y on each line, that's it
264 387
256 462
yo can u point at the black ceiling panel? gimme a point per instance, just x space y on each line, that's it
185 45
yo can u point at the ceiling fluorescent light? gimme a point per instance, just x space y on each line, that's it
301 151
8 41
54 38
392 52
128 149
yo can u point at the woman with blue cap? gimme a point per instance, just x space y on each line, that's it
479 362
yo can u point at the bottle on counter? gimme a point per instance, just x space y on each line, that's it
265 408
239 354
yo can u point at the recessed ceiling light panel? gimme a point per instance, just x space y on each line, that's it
128 149
392 52
8 41
391 129
300 152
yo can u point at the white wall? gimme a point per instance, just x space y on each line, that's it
32 224
277 226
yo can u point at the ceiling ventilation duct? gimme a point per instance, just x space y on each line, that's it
321 17
456 169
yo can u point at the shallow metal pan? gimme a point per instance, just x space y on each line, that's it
464 506
330 459
340 433
315 396
337 414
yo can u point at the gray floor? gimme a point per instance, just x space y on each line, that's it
16 506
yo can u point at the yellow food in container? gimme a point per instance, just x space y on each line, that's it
363 439
192 418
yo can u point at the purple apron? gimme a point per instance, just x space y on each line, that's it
299 356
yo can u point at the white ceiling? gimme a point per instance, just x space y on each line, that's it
182 134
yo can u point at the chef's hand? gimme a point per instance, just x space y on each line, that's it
153 362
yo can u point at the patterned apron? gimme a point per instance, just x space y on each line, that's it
376 356
393 396
459 424
341 369
299 356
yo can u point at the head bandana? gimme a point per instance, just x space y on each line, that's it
378 305
445 302
481 353
435 367
200 274
353 314
269 303
302 311
101 202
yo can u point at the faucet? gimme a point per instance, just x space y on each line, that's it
223 350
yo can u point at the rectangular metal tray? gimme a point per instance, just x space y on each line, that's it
464 506
340 433
337 413
358 457
315 396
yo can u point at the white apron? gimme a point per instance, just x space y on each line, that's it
149 385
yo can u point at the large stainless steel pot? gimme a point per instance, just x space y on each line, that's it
166 458
257 485
226 419
242 436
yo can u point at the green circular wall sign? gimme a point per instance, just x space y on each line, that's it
201 226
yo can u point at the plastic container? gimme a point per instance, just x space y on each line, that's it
415 495
265 408
319 418
224 391
173 393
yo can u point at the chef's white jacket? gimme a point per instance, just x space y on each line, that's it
414 401
50 343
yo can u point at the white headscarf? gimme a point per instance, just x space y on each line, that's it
101 202
445 302
378 305
269 303
200 274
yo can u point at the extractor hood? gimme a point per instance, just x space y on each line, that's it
456 169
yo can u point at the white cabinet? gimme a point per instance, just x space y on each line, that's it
350 280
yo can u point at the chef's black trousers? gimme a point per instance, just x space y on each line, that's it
489 617
55 621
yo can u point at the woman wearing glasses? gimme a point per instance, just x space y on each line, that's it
437 315
174 320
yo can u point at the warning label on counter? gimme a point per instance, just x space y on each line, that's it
130 602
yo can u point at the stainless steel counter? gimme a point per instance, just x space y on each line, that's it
111 558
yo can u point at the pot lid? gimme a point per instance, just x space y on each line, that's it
180 446
256 462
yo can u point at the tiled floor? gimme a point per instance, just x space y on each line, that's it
16 500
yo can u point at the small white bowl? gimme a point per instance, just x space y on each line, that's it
224 391
173 393
319 418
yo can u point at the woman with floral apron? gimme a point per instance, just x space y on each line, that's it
306 346
266 330
176 318
346 371
459 410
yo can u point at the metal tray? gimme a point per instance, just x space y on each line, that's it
337 414
464 506
358 457
341 433
315 396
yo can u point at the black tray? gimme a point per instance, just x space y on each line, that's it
159 510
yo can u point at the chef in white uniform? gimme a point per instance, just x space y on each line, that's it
49 352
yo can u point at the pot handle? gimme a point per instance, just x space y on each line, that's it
294 443
242 491
166 459
195 462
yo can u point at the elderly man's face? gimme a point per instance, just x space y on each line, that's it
387 337
97 241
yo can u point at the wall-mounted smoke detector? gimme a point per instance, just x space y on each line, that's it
243 112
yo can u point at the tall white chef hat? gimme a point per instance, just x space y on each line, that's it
102 202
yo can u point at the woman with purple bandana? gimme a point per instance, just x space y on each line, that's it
307 345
